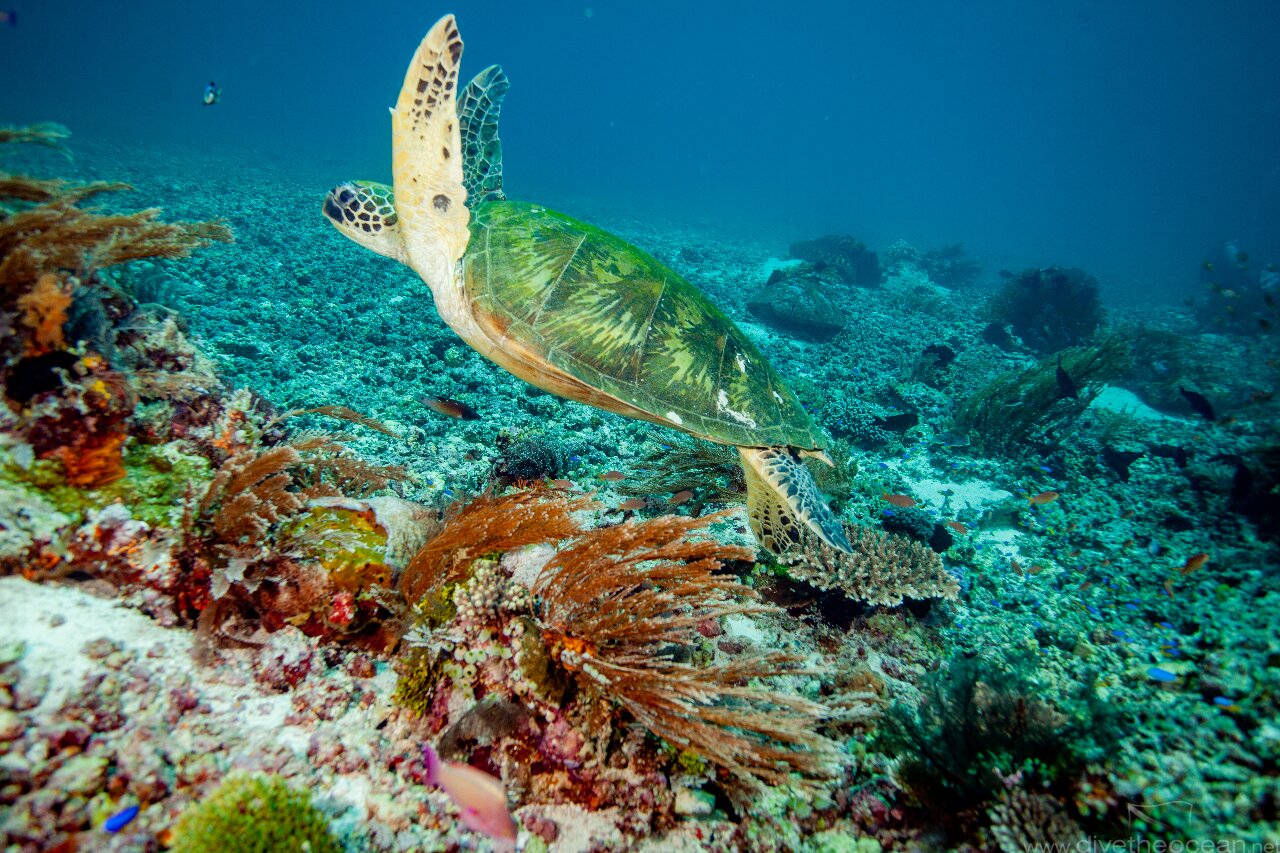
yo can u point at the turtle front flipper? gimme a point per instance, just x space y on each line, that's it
427 157
479 106
781 495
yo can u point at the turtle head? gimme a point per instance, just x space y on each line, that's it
366 212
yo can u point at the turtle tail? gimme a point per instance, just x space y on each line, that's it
781 496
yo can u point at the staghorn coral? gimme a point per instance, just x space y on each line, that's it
618 603
882 569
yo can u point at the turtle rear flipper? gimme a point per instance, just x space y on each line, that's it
479 107
781 495
427 156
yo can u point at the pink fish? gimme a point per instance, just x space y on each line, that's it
480 798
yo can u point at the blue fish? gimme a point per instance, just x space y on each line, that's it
120 819
1155 673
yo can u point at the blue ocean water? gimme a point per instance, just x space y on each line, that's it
1124 138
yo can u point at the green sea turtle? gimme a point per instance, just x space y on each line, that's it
568 307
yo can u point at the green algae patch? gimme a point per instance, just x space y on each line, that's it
254 813
156 482
348 543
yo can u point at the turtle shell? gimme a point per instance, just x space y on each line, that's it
614 318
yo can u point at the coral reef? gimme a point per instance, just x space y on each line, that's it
849 257
883 568
1050 309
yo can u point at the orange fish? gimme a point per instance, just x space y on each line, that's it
899 500
679 498
1075 553
1035 570
1128 543
481 798
1194 562
1043 498
451 408
1106 562
1085 585
1013 564
1168 586
1071 527
1128 514
634 503
562 484
613 476
958 528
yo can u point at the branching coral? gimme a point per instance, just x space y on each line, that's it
619 602
1023 821
882 568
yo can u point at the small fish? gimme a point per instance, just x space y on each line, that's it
958 528
480 797
1066 385
562 484
1070 528
9 17
1107 561
1164 676
1120 460
1128 514
212 94
898 423
1261 396
633 503
451 408
1128 543
1207 266
613 476
1199 404
1195 561
1264 324
1016 566
679 498
120 819
1076 552
1242 257
471 456
1179 455
1168 587
1035 570
903 501
1225 704
1043 498
1084 586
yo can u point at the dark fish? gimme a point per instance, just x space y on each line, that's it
1199 404
1120 460
1264 324
1005 273
943 353
1179 455
999 335
1066 385
898 423
9 17
451 408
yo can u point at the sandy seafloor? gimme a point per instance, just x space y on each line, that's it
304 318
